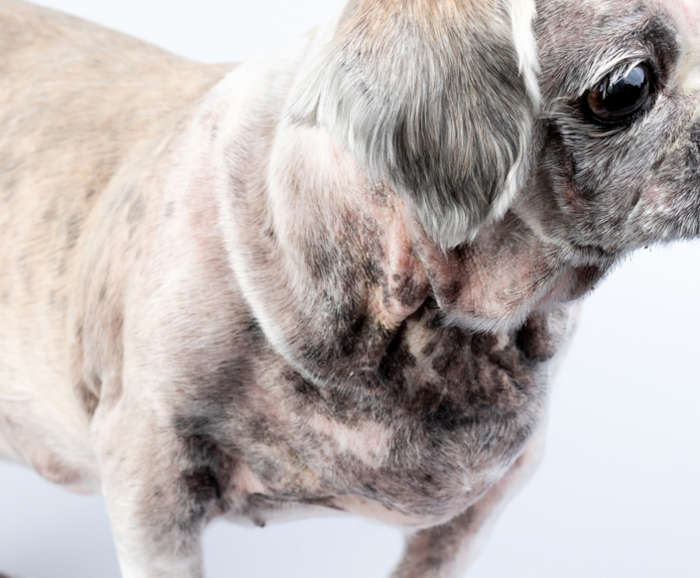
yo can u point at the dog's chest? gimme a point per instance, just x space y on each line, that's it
413 442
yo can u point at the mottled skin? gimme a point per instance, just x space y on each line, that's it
210 307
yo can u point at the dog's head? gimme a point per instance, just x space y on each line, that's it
523 148
583 124
617 151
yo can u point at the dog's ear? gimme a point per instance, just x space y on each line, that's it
435 98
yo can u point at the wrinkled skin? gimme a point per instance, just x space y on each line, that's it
224 308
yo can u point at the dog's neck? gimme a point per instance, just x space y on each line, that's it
367 265
332 264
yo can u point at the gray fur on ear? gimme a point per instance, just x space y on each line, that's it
437 99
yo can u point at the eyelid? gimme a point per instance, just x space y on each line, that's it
616 66
619 72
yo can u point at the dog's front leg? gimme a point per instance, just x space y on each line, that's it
445 551
158 500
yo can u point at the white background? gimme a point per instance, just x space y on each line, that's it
617 495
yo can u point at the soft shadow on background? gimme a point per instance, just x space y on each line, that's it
617 495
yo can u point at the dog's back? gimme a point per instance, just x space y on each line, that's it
75 99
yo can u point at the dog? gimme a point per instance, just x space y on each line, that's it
338 279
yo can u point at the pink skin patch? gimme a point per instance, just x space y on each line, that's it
692 11
687 10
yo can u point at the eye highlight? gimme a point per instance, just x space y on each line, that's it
618 100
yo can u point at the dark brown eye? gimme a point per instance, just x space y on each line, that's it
616 101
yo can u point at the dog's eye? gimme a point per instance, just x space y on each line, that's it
615 101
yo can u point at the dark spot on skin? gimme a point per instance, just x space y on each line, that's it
436 320
453 346
169 209
429 348
137 210
51 212
72 231
253 329
23 265
208 471
103 293
439 412
269 470
369 488
398 357
306 389
635 200
62 265
534 340
372 271
351 339
406 290
187 426
317 353
343 405
483 343
202 485
90 193
7 189
441 363
358 342
514 373
325 502
434 562
337 403
585 279
259 429
322 259
411 292
449 294
87 398
658 163
381 195
224 382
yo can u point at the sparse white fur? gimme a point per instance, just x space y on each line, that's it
522 16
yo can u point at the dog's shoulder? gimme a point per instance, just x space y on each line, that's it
76 100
